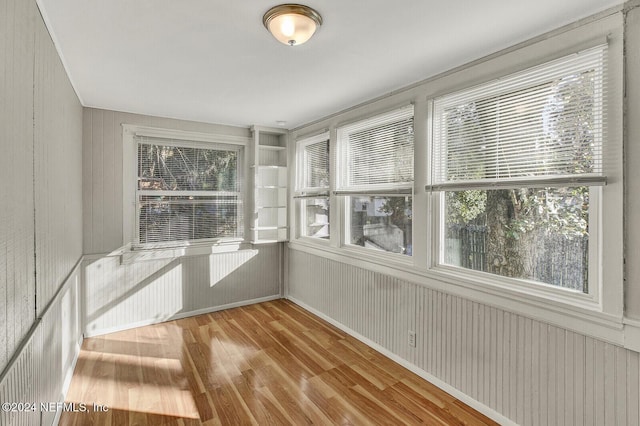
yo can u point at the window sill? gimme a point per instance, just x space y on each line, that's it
583 316
354 253
140 254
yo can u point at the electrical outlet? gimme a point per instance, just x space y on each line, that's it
412 338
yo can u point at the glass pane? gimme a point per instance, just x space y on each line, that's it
535 234
316 159
381 154
175 168
316 217
545 121
164 219
381 223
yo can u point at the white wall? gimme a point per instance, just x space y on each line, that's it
17 278
41 213
119 296
528 371
632 166
123 295
40 134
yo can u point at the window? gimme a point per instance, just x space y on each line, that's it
312 186
186 191
376 179
518 166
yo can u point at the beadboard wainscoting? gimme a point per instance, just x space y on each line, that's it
41 218
503 364
41 370
121 295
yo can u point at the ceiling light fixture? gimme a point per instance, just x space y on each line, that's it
292 24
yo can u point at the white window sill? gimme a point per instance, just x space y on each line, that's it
151 252
582 314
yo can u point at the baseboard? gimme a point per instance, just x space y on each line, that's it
489 412
100 332
68 377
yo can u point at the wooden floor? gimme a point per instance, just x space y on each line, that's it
266 364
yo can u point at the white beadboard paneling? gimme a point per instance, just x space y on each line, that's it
528 371
40 140
41 371
57 170
17 285
119 296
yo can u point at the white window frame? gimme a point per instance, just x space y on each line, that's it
345 191
303 192
600 315
591 299
130 190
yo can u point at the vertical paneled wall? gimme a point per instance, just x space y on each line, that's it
57 170
44 366
17 277
119 296
40 214
632 154
528 371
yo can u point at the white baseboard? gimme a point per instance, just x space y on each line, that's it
489 412
67 378
180 315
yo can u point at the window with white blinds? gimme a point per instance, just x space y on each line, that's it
377 154
518 161
312 186
540 127
313 166
375 174
187 191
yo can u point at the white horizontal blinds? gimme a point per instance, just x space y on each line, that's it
187 191
315 167
377 153
542 125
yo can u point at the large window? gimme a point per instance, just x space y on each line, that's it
186 191
312 186
518 169
375 177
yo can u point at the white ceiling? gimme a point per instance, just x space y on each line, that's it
213 61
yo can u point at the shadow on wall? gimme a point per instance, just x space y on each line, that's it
120 295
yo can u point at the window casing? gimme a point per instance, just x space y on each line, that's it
597 311
186 191
312 186
375 177
517 172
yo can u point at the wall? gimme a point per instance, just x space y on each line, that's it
42 369
522 368
118 296
41 211
123 294
632 169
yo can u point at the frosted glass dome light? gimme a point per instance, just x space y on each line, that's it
292 24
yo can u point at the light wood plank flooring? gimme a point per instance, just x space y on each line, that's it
266 364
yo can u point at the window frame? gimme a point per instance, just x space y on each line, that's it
602 318
590 299
131 191
302 192
344 190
